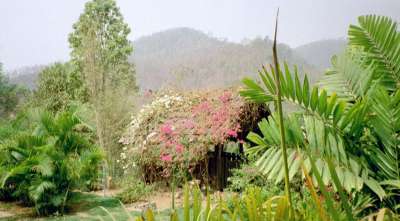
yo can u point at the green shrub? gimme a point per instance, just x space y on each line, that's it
55 90
135 191
246 175
41 167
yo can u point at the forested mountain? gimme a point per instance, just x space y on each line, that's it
319 53
187 58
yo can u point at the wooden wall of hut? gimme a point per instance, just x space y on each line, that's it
220 164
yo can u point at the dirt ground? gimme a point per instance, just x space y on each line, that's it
159 200
9 209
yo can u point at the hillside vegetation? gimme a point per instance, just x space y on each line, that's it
190 59
187 58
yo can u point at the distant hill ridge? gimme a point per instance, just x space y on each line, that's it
178 38
319 53
26 76
188 58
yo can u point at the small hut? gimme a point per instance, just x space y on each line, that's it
200 133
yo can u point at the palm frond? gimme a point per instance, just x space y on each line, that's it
313 138
38 188
347 78
42 164
385 121
66 121
380 40
336 114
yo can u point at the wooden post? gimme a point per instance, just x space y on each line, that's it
220 177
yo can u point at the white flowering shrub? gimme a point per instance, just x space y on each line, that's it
145 116
141 129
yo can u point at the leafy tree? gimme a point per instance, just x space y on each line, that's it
351 118
8 95
100 51
43 165
55 91
101 31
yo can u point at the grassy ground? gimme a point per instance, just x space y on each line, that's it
83 206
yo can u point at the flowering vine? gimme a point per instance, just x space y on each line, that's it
178 129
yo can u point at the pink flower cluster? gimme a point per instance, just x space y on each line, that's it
225 97
232 133
211 121
166 158
166 129
168 138
219 119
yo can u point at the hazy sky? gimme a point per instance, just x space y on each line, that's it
36 31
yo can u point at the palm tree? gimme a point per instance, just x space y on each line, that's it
43 166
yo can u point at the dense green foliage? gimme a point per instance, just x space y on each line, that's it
9 95
255 204
247 175
56 90
351 118
43 163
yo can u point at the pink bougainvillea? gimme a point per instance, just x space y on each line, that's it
212 120
179 148
166 129
189 124
185 135
232 133
176 130
225 97
203 107
169 143
166 158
